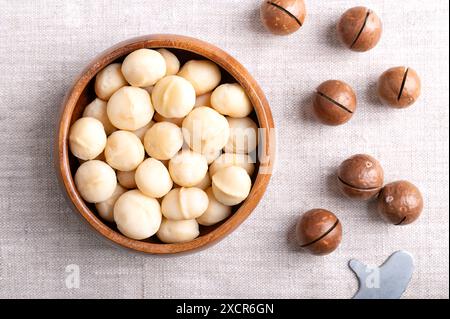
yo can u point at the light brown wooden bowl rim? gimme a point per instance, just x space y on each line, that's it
209 51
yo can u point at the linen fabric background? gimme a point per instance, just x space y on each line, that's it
45 44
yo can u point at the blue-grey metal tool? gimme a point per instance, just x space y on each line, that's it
389 281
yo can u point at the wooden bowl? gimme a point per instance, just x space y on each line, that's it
185 48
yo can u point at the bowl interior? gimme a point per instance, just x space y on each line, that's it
209 234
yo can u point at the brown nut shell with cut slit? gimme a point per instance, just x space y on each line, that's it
399 87
360 29
334 102
283 17
400 203
360 177
319 232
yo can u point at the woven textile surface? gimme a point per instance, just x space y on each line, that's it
45 44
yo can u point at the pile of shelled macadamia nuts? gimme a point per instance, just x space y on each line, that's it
164 149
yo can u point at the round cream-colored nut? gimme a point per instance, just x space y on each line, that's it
97 110
203 100
243 135
106 208
124 151
230 159
126 179
188 168
178 231
130 108
153 178
96 181
216 211
144 67
231 100
231 185
184 203
101 157
177 121
109 80
204 183
212 156
87 138
203 74
205 130
172 62
163 140
141 132
137 216
173 97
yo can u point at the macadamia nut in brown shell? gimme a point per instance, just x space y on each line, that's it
399 87
334 102
319 232
361 177
400 203
359 29
283 17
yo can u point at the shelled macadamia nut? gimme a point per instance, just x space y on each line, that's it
230 159
126 179
144 67
359 29
205 130
106 208
230 99
173 97
400 203
137 216
96 181
153 178
178 231
188 168
361 177
109 80
149 89
97 110
101 157
231 185
124 151
159 118
399 87
141 132
334 102
87 138
172 62
204 183
204 75
243 135
203 100
319 232
163 140
216 211
184 203
130 108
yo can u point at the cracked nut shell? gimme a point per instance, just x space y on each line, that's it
399 87
334 102
283 17
400 203
359 29
319 232
360 177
